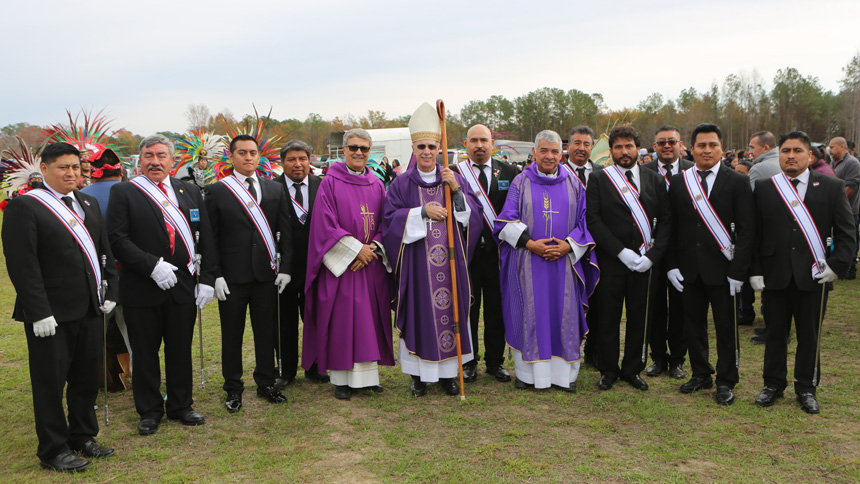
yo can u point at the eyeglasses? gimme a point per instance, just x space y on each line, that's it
422 147
670 142
364 149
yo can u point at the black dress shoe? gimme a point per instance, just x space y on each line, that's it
656 368
233 402
746 320
91 448
606 381
568 389
521 385
342 392
313 375
762 330
636 382
272 394
450 386
191 418
724 395
65 462
500 373
281 383
808 402
768 396
696 383
760 339
377 389
418 387
147 426
676 371
470 373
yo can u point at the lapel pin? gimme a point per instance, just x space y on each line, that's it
180 191
87 202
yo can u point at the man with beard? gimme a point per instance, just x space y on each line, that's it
152 221
416 235
667 318
796 210
709 260
624 201
247 213
490 181
302 187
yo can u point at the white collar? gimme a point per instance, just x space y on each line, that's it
242 178
351 172
58 194
551 175
803 177
427 176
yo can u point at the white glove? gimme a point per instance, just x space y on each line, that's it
45 327
827 275
643 264
676 279
734 286
221 290
163 275
628 258
204 294
281 281
107 306
757 283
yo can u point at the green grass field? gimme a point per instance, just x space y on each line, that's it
499 434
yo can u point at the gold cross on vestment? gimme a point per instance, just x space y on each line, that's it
547 214
369 224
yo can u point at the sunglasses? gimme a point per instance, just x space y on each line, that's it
364 149
671 142
422 147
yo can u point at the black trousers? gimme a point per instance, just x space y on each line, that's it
591 348
782 306
615 291
484 273
667 322
292 305
70 356
260 297
697 297
147 327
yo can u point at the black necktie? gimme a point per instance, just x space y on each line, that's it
795 182
630 179
251 189
68 201
668 169
703 174
580 172
299 199
482 178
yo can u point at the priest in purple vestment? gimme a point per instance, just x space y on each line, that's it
548 269
348 326
415 234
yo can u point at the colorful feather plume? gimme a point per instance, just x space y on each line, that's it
18 168
268 146
89 135
200 145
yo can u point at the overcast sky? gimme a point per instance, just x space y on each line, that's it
145 62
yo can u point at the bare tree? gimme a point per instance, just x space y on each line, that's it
198 116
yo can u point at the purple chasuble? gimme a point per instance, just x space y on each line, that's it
544 302
347 318
422 299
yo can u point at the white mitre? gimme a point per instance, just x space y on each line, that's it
425 124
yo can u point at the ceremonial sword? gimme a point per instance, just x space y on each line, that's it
815 372
735 301
103 295
648 292
278 298
198 259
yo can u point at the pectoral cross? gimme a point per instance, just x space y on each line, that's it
369 225
547 214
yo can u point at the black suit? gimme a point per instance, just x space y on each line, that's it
612 226
293 297
667 316
590 349
245 264
706 270
484 272
53 277
783 257
139 239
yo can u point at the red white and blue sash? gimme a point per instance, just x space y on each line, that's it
573 172
803 218
172 215
300 211
252 208
706 211
487 208
631 198
75 226
663 173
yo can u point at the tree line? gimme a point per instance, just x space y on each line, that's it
740 105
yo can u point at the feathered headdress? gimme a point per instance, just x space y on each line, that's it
90 137
19 168
200 145
269 151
